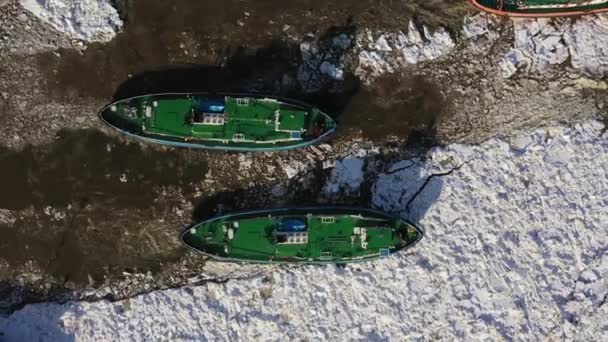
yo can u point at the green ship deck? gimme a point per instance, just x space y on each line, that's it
541 8
302 235
227 122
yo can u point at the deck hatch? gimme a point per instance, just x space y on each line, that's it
326 256
215 119
292 238
241 102
328 219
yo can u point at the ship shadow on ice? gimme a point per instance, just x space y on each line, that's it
410 199
397 105
14 297
217 204
414 198
252 198
429 193
274 70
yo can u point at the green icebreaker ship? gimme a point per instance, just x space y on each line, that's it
302 235
223 122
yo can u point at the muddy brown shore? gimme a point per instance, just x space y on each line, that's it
87 213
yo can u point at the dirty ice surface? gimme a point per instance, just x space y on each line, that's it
515 248
87 20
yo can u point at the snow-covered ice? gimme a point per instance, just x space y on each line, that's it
87 20
480 25
538 45
331 70
346 176
590 300
587 41
541 43
515 249
292 169
382 52
386 52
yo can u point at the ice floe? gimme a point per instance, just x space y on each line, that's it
86 20
346 176
542 43
538 44
384 52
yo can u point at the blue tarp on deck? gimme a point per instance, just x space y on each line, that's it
211 106
292 225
